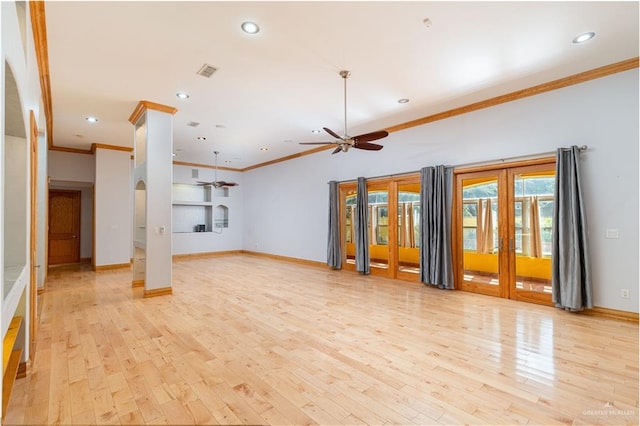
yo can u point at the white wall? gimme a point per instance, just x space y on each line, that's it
203 242
71 167
112 207
289 215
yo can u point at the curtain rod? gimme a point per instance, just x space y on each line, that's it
477 163
519 157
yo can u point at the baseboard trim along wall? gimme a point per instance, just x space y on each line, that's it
157 292
137 283
612 313
99 268
286 258
205 254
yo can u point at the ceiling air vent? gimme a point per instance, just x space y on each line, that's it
207 70
193 124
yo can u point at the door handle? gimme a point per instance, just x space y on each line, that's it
512 247
500 245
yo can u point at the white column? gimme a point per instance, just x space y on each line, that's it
153 174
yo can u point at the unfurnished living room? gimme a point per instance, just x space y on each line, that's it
333 213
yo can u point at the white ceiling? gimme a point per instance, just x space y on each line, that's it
272 88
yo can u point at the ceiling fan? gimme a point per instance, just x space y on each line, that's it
217 183
345 142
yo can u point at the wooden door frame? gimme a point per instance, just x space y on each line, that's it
458 253
390 184
79 234
33 245
506 260
514 293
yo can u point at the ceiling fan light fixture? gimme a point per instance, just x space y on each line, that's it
182 95
201 138
264 148
403 101
91 119
250 27
315 131
581 38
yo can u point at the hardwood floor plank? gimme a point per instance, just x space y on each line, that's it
252 340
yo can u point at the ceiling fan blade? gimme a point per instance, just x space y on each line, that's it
332 133
316 143
368 146
200 183
373 136
337 150
223 183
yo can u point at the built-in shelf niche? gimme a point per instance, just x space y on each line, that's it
221 216
192 208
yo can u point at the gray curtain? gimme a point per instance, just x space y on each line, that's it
334 258
436 265
360 228
571 274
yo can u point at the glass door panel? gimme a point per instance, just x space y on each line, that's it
349 201
408 225
378 227
480 226
530 239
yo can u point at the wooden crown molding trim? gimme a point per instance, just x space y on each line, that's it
157 292
571 80
73 150
289 157
95 146
39 29
145 105
206 166
524 93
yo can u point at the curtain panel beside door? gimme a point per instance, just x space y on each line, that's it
361 231
436 265
334 256
571 268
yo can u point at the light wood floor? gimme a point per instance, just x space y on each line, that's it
250 340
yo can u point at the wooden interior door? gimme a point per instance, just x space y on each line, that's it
64 227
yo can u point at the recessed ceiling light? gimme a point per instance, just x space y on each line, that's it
250 27
403 101
221 126
91 119
427 22
182 95
264 149
316 131
581 38
201 138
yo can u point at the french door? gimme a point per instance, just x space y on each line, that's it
393 210
503 230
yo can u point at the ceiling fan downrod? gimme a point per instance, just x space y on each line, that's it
345 74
